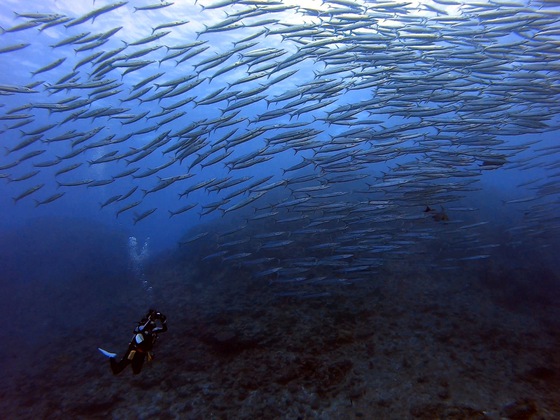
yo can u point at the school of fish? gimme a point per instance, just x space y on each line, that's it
372 120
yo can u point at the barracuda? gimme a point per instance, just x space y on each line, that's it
399 105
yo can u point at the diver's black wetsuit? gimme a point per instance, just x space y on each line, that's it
140 347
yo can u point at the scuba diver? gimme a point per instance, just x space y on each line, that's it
438 216
140 347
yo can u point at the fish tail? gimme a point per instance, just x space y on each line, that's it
37 203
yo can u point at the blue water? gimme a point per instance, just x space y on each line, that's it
84 202
69 263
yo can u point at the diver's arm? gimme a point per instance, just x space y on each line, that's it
163 320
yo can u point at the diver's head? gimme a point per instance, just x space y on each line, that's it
154 315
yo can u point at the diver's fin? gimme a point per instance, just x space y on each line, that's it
106 353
